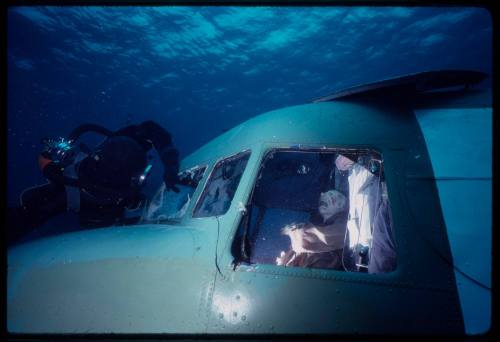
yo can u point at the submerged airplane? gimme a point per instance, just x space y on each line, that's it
367 211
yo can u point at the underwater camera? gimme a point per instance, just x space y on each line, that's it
58 150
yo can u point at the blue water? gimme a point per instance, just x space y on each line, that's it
200 70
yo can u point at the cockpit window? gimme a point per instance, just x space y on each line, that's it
320 209
221 186
169 205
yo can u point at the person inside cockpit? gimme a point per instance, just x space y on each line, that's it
318 245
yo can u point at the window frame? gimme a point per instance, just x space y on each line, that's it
238 261
209 176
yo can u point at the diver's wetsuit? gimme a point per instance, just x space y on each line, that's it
103 178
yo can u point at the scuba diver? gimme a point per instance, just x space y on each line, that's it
98 184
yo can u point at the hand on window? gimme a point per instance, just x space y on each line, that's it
280 260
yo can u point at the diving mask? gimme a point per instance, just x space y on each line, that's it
58 150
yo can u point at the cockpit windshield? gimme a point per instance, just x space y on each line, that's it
169 205
322 209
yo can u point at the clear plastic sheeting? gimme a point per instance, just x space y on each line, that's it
172 206
321 209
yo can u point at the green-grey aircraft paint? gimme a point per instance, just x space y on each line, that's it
159 278
462 167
